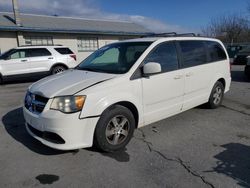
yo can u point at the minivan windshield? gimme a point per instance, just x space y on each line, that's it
115 58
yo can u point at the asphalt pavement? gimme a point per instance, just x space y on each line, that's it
198 148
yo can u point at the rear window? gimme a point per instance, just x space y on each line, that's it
216 52
64 51
193 53
36 52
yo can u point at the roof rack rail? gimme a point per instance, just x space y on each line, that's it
161 34
41 45
186 34
170 34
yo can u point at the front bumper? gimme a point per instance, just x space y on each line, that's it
73 132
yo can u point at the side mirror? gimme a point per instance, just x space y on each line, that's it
151 68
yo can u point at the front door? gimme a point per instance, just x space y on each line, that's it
163 92
16 63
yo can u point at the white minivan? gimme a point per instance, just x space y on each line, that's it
124 86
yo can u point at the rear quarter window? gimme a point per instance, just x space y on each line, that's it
215 51
64 51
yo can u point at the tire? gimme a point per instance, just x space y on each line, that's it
1 80
247 71
114 129
58 69
216 96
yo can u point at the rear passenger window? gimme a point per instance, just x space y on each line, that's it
64 51
216 52
36 52
193 53
166 55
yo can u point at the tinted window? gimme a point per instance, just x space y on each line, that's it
36 52
216 52
64 51
193 53
6 54
166 55
18 54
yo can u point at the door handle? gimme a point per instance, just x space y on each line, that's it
24 60
189 74
50 58
177 77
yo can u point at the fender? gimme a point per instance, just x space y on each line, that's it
216 78
95 108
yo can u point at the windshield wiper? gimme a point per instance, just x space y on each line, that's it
85 69
90 69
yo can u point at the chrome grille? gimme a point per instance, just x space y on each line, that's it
35 103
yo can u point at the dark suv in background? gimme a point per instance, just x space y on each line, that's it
241 57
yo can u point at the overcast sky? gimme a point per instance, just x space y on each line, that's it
156 15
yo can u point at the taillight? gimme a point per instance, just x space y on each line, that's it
73 56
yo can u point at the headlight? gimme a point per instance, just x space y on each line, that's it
68 104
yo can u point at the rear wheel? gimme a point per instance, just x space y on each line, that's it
216 96
114 129
58 69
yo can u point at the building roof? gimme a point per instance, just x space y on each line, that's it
41 23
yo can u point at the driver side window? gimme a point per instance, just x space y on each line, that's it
165 54
17 54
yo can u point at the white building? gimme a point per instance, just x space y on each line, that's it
83 36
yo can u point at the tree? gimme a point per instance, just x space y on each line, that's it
229 28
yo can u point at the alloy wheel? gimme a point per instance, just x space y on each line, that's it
217 95
117 130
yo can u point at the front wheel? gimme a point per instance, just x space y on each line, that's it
216 96
114 129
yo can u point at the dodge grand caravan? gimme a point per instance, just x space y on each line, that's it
124 86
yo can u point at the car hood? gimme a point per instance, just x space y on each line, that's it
68 83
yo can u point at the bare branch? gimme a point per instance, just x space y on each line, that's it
229 28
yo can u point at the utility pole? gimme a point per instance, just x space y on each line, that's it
16 13
18 21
